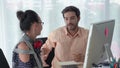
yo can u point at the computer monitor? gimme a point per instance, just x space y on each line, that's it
3 61
99 42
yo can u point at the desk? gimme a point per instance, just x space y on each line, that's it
70 64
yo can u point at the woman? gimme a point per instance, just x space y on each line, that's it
24 54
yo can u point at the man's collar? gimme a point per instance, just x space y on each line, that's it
78 33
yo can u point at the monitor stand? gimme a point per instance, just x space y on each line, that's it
108 52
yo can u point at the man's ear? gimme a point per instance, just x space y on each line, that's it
79 18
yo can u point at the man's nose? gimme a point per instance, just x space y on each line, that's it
69 21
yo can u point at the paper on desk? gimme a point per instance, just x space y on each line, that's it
71 63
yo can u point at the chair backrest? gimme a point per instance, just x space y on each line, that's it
51 54
3 61
43 39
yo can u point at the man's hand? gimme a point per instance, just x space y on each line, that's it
78 58
43 61
44 57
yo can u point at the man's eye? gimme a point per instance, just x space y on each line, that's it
66 18
72 18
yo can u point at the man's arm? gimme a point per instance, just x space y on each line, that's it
47 47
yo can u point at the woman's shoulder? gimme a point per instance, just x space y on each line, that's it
22 45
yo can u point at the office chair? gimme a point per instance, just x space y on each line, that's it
3 60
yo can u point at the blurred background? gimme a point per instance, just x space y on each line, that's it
50 12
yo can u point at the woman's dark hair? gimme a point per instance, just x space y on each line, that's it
27 18
73 9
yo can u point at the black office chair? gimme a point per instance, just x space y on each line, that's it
51 54
3 60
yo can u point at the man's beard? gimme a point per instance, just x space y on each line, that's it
71 27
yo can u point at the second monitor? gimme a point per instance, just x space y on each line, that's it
100 36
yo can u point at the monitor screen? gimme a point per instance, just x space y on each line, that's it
99 42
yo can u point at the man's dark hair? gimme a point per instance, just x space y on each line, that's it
73 9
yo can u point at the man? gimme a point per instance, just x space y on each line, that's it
69 41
